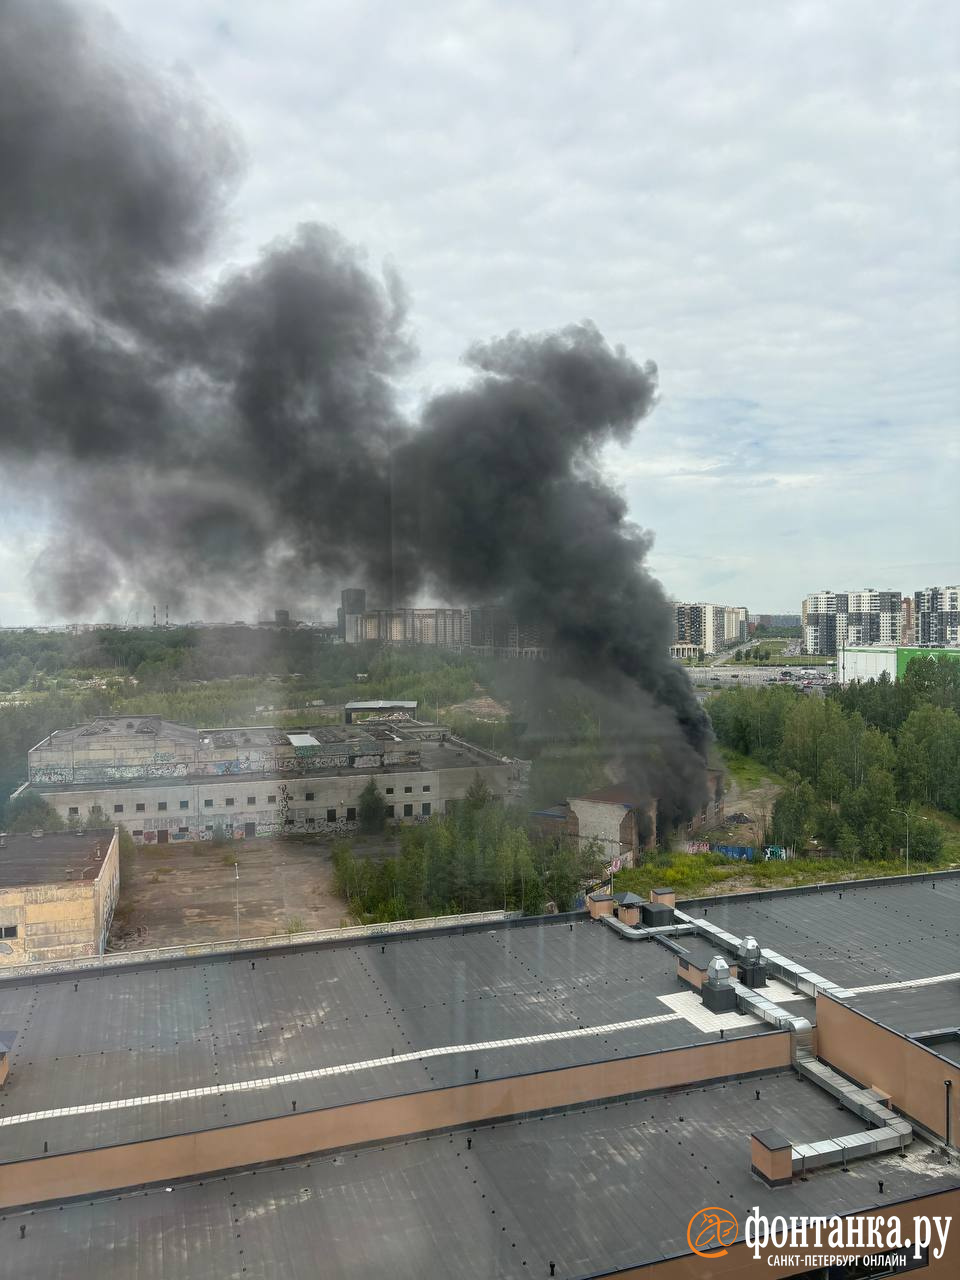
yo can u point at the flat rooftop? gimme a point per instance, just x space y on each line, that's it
115 1055
507 1206
857 934
51 858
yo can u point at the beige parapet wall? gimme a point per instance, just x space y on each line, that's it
81 1173
911 1075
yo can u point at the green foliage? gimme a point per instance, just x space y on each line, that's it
126 843
477 858
29 812
927 840
851 759
96 819
371 809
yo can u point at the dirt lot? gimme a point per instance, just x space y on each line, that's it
172 895
757 802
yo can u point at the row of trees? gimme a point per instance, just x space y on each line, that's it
479 857
851 783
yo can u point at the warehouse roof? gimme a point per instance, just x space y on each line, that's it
507 1205
52 858
179 1045
857 934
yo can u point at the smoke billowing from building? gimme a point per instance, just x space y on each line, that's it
211 439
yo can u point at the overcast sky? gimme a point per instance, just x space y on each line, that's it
761 197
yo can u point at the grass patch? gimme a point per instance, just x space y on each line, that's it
695 875
748 771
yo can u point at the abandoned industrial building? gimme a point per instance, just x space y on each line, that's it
550 1097
57 894
168 782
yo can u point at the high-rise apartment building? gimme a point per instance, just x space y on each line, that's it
832 620
711 627
353 605
937 616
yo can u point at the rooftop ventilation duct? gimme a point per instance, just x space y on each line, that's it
718 991
750 963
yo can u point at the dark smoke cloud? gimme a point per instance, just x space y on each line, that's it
209 444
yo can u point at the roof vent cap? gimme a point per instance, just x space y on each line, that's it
749 949
718 972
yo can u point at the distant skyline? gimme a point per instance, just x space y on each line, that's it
765 201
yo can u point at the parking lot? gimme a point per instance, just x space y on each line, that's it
730 676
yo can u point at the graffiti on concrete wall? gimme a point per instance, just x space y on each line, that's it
50 773
129 772
252 762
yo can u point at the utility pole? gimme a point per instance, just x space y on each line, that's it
906 816
236 867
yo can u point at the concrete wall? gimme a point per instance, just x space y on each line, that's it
614 826
875 1056
290 810
63 920
54 1177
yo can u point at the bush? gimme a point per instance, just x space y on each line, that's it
371 809
30 811
927 838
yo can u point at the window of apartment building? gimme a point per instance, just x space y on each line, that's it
208 827
136 833
389 791
427 787
118 808
331 815
389 811
229 802
208 804
162 806
184 804
408 790
425 808
9 930
308 795
408 810
351 815
141 808
311 822
271 799
183 831
251 799
75 812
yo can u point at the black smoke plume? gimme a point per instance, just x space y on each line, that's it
227 442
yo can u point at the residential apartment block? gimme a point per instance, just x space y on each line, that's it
831 620
708 627
937 616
